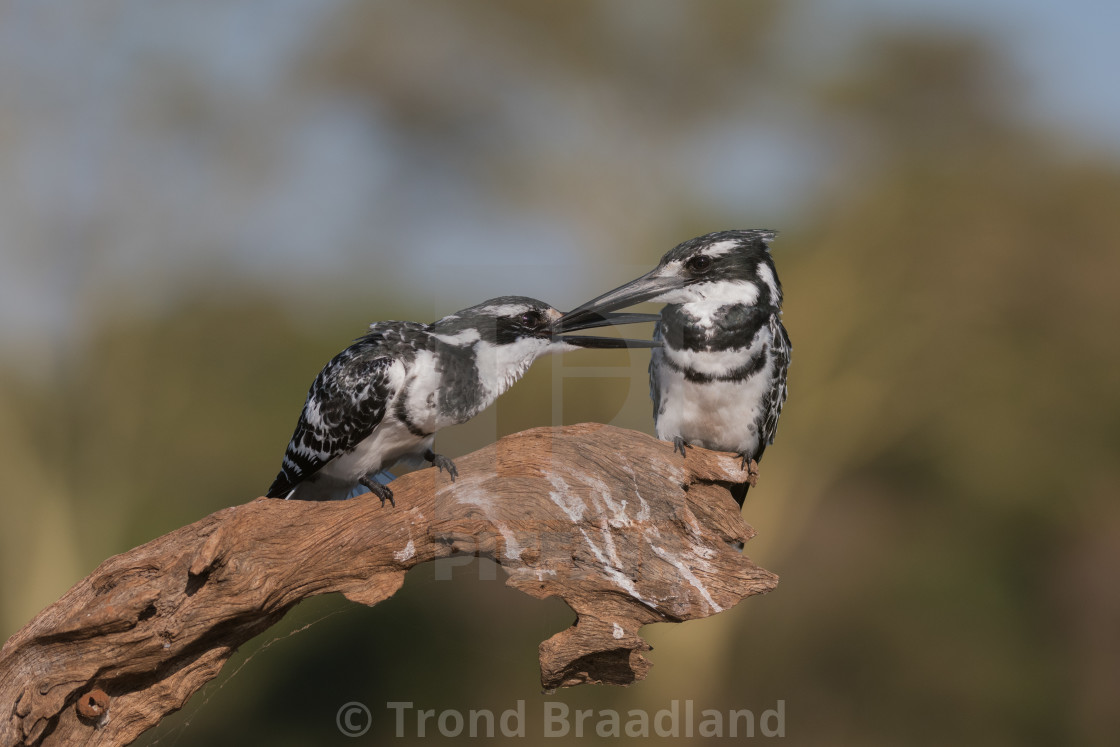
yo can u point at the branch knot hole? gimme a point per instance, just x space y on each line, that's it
93 705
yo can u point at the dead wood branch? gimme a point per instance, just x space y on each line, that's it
610 520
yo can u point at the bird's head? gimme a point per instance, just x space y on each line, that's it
721 267
525 328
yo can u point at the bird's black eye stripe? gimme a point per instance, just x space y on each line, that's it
532 319
699 264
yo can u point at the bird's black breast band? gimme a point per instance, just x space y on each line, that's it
750 368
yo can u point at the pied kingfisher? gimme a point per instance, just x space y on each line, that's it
384 397
719 381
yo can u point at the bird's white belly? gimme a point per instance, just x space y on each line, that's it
720 415
390 441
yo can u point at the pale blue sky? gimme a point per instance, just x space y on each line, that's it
79 155
1066 52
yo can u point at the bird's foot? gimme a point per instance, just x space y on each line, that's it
381 491
443 463
752 469
679 444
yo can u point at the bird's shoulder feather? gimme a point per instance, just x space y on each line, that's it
347 400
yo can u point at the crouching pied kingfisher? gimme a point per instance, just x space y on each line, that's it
384 397
719 381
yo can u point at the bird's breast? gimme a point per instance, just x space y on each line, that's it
444 389
714 398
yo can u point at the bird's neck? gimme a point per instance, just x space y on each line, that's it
500 366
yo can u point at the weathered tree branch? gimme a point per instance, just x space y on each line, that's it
610 520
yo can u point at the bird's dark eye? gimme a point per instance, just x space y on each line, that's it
532 319
699 264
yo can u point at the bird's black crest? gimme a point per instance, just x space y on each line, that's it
752 239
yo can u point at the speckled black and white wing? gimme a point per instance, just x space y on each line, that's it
347 400
780 348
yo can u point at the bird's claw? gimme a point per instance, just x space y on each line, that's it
752 469
679 444
443 463
381 491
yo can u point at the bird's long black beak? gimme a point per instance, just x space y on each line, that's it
603 319
591 321
584 341
648 286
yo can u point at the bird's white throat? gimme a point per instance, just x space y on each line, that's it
705 300
500 366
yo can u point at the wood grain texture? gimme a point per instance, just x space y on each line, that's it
612 521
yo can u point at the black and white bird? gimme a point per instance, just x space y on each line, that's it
384 397
719 381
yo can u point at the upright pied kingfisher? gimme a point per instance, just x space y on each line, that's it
384 397
719 381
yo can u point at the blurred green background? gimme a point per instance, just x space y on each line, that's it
202 202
